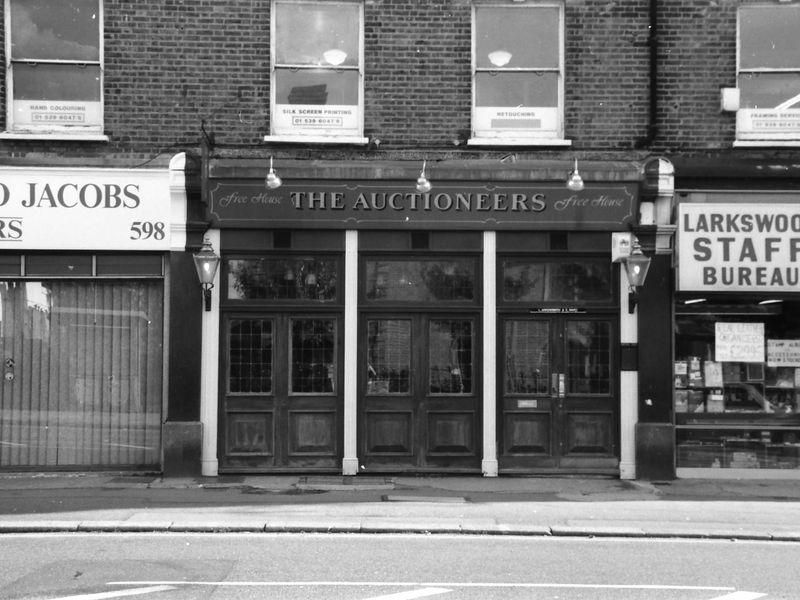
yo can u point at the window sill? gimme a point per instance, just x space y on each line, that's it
766 143
311 139
485 141
73 137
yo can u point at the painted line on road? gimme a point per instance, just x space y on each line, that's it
119 593
445 584
413 594
740 596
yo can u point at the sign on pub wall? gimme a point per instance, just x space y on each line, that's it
83 209
396 204
739 247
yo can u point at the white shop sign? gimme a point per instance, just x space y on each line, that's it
739 247
84 209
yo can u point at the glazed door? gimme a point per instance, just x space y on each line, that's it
282 399
419 404
559 404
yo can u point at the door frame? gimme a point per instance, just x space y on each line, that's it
280 459
420 403
558 409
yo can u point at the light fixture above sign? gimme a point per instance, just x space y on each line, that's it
423 184
575 181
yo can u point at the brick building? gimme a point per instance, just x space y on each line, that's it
360 321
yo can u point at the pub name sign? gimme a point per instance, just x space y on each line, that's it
386 205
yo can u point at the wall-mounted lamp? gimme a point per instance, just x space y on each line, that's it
423 184
273 181
575 181
636 266
206 262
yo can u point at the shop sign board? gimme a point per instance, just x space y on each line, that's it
738 342
84 209
739 247
396 205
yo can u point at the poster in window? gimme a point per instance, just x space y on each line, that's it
783 353
739 342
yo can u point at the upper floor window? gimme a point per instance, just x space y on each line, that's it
769 73
317 71
518 74
54 60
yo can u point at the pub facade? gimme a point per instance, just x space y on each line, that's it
360 325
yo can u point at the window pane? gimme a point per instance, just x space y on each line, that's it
87 387
63 83
450 357
62 264
531 281
250 359
388 356
313 344
527 368
307 31
770 90
282 279
588 357
530 35
516 89
421 280
55 29
769 37
316 87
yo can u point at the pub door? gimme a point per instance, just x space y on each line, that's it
419 405
559 407
281 394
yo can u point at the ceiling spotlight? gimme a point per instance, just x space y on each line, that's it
423 185
575 181
273 181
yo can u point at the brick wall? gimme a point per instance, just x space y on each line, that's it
175 66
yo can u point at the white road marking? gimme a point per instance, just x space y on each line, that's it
412 594
740 596
119 593
441 584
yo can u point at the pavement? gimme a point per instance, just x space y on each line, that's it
767 510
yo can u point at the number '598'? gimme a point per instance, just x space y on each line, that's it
144 230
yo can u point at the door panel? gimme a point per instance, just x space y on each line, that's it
282 404
559 403
419 406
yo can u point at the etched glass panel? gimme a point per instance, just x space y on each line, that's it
250 360
282 279
313 350
527 356
388 356
528 280
450 356
588 357
420 280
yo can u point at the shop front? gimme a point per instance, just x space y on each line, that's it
365 327
737 336
82 314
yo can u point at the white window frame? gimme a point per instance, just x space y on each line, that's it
92 132
281 129
774 126
552 136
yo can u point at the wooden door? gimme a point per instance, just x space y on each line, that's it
420 401
558 408
282 398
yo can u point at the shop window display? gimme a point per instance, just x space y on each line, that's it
737 384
